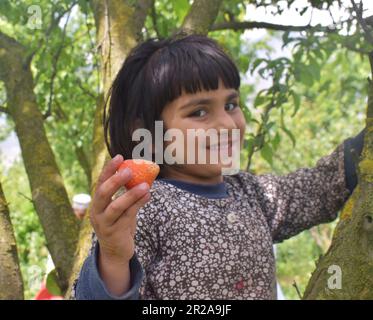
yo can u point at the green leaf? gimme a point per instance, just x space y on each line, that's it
84 5
249 144
306 76
260 99
246 113
290 135
52 283
314 69
276 141
243 62
326 86
256 64
258 140
269 125
267 153
285 38
296 99
286 130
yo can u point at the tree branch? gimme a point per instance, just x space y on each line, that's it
85 90
244 25
54 69
351 47
359 15
142 8
4 110
200 17
247 25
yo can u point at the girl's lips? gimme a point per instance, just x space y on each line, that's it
224 145
223 149
220 147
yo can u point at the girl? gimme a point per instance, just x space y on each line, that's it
196 234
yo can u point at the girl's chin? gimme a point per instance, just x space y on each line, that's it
212 170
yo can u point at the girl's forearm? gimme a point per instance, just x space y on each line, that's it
116 276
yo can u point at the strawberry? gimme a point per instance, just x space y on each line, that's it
142 171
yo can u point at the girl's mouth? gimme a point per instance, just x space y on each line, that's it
220 146
224 148
227 144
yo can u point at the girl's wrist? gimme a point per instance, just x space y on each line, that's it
112 255
113 259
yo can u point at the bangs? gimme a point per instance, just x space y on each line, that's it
190 67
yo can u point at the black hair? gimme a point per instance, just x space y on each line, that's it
154 74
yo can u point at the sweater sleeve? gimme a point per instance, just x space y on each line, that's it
304 198
352 151
90 286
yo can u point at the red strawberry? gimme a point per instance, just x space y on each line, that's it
142 171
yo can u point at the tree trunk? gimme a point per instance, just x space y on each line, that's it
48 192
346 271
11 284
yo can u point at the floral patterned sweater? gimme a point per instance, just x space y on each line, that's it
215 242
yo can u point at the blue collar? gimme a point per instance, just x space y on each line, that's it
212 191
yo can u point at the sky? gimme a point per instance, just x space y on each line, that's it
292 17
10 149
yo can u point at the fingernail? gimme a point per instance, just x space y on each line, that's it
125 173
116 158
143 186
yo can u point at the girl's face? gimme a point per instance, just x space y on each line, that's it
215 109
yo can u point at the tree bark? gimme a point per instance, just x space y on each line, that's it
352 247
201 16
11 283
49 195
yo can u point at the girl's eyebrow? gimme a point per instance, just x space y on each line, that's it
232 96
205 101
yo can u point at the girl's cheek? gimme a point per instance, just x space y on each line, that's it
241 124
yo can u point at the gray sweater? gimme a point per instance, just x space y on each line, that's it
215 242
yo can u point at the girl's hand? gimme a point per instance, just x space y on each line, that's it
114 221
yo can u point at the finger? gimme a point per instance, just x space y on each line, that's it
117 207
109 169
129 217
105 192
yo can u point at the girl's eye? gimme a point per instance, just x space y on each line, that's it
198 114
230 106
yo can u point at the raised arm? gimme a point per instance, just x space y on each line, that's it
309 196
